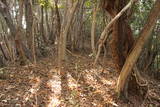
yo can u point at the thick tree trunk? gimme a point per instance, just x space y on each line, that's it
113 25
120 38
133 56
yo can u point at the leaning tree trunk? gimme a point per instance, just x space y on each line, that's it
133 56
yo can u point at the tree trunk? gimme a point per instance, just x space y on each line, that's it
104 34
19 47
20 16
47 21
93 30
64 33
16 33
58 19
42 26
133 56
120 38
29 25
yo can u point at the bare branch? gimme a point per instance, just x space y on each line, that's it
104 34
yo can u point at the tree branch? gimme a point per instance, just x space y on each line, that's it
104 34
134 55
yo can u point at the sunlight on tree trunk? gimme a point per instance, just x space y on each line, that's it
104 34
133 56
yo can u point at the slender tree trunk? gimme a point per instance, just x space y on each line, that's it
133 56
33 44
47 21
42 26
93 30
64 33
15 32
58 18
29 24
76 28
20 16
19 47
1 48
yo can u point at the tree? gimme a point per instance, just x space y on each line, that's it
15 31
93 28
122 38
64 33
133 56
29 26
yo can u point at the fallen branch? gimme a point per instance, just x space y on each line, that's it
73 54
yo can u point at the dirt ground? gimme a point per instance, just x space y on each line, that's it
80 84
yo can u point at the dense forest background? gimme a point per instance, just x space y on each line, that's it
89 40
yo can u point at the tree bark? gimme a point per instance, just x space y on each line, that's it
133 56
122 38
29 25
93 28
58 19
64 33
15 32
105 32
42 25
47 20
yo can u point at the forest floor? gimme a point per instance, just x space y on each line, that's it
80 84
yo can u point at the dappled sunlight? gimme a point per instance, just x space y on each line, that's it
91 79
54 102
35 82
108 82
72 83
55 85
102 89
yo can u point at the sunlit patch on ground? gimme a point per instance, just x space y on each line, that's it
41 86
35 82
100 85
55 85
72 83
